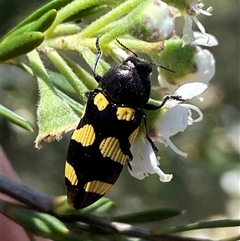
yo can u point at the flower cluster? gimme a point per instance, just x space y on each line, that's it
192 68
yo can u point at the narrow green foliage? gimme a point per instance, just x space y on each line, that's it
84 13
76 107
111 16
55 4
199 225
20 44
153 215
39 25
70 10
60 81
86 78
38 223
16 119
60 207
102 205
66 71
65 29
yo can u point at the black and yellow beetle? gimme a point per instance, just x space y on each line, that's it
100 145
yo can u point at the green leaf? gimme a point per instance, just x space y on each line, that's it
86 78
61 207
200 225
68 73
55 116
16 119
148 216
76 107
71 9
20 44
84 13
39 25
37 222
55 4
102 205
65 29
59 80
41 224
111 16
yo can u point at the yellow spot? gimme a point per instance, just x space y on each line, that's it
133 136
110 147
97 187
85 135
100 101
70 174
125 113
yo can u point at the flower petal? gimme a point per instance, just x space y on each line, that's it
196 109
190 90
204 39
198 23
205 63
145 161
204 67
174 120
188 36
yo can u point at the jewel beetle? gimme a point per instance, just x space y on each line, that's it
100 145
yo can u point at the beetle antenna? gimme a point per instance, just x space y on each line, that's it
127 48
162 67
152 63
99 55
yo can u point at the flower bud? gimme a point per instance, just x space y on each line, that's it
189 63
151 21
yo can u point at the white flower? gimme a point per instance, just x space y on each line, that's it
176 118
195 9
145 161
204 63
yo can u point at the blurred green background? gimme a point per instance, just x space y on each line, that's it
206 183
